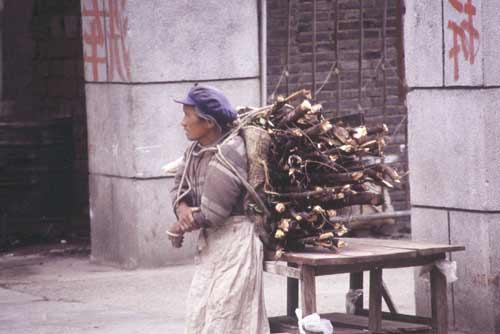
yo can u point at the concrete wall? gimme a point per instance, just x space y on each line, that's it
454 126
139 56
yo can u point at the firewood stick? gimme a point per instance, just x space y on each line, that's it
295 114
354 199
281 101
319 129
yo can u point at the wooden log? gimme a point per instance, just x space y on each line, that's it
377 129
308 151
367 139
342 134
281 101
294 114
319 129
331 200
346 219
327 193
355 199
341 157
329 179
387 170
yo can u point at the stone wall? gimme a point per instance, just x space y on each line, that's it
349 83
454 126
139 55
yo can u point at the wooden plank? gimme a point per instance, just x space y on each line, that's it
388 299
338 269
423 248
287 325
308 290
353 254
361 322
398 263
349 324
283 324
356 283
439 302
412 319
281 268
375 301
363 250
292 292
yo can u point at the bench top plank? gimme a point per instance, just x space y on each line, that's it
352 254
364 250
422 248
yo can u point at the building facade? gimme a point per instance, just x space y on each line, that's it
453 74
93 81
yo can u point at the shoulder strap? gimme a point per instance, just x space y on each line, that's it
248 187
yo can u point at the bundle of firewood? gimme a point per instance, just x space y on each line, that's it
315 167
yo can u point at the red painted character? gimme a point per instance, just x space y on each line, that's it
467 34
95 38
117 55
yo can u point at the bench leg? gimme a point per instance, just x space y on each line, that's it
356 283
292 294
439 302
308 290
375 307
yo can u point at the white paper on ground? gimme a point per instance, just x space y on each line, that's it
313 323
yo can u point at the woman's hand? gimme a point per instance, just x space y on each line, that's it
185 218
176 235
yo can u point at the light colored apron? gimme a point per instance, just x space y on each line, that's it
226 294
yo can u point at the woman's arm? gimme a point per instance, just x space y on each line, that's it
222 190
177 184
176 230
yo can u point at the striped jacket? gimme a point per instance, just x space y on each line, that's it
215 189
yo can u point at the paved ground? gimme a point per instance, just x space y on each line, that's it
63 293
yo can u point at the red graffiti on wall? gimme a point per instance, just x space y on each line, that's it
94 38
486 280
467 34
119 58
107 29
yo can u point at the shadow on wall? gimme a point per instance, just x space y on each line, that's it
43 145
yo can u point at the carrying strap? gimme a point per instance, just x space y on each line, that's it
223 160
248 187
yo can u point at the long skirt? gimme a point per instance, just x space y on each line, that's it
226 294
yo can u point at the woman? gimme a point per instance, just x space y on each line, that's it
226 294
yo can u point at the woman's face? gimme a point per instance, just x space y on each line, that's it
195 128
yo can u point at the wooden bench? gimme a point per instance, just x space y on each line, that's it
361 255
